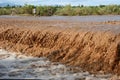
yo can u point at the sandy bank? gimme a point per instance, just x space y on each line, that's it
92 46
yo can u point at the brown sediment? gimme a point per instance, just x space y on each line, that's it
92 49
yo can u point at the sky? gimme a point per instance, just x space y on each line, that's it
62 2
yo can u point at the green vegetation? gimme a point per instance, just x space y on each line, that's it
67 10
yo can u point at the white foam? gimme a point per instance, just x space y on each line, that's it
23 67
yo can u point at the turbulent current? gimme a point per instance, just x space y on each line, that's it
14 65
60 49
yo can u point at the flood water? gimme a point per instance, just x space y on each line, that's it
13 66
101 18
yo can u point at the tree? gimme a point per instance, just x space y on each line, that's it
28 9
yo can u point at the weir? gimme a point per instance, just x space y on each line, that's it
92 50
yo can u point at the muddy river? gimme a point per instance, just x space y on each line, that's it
14 66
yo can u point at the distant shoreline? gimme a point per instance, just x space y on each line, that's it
66 10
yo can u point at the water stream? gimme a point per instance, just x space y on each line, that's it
14 65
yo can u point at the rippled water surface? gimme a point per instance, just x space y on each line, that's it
71 18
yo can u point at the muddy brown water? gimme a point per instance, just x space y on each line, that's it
90 23
89 42
14 66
